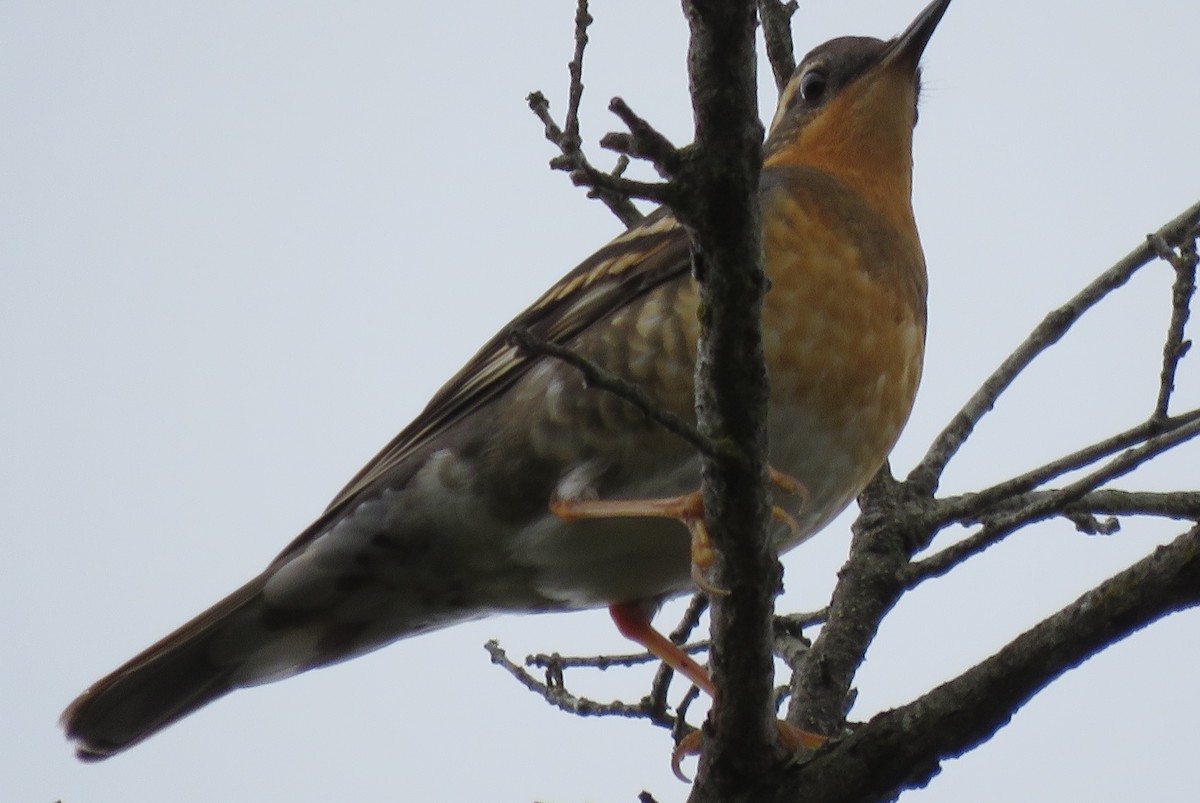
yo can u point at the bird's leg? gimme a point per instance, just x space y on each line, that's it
634 624
631 618
688 509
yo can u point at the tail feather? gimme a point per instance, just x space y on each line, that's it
164 683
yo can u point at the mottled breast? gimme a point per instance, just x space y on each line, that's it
844 333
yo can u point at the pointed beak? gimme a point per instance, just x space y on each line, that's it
908 46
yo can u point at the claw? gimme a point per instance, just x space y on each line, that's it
632 620
689 745
789 485
703 557
781 515
796 741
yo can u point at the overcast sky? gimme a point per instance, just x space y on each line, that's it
241 243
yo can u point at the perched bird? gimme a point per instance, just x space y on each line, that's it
453 520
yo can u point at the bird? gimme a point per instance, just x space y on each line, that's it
484 504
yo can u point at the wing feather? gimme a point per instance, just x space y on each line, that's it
645 256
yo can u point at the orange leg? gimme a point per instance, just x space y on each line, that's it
631 618
688 509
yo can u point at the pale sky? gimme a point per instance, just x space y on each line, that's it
241 244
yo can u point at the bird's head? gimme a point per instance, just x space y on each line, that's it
850 107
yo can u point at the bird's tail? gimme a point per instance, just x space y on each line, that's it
190 668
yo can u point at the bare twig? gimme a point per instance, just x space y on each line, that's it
792 649
1087 523
573 161
557 695
1050 504
681 728
969 507
602 184
1046 334
687 623
653 706
776 18
1177 505
583 21
795 622
1180 505
642 142
602 662
568 139
1174 346
690 619
598 377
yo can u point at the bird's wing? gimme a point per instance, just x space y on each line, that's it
645 256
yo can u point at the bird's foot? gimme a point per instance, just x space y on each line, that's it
796 741
688 509
633 623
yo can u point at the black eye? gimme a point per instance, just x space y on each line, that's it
813 85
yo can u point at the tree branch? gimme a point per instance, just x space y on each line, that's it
662 678
1171 505
1174 346
642 142
971 506
998 527
903 748
567 139
553 692
718 201
890 529
1179 505
1052 328
777 33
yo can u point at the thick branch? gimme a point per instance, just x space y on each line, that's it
903 748
718 188
887 533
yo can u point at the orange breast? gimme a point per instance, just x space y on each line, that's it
844 329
